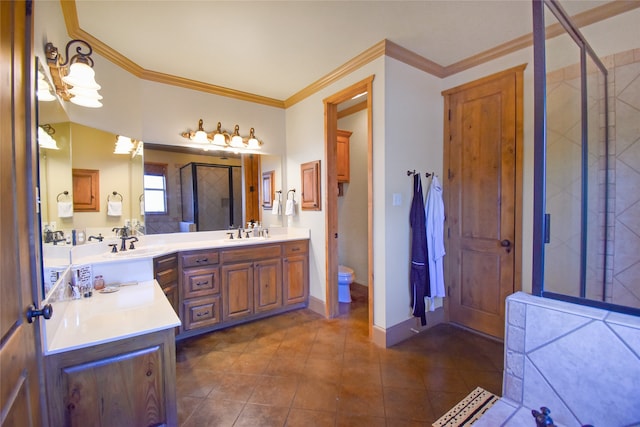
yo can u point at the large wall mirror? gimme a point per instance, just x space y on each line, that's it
584 240
80 147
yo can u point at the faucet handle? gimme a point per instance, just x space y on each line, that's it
114 247
230 236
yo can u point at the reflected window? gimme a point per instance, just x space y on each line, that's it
155 188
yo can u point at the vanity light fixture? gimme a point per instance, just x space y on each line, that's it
45 138
74 77
221 139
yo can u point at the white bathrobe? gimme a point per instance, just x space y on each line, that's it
434 213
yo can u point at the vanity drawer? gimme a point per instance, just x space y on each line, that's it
201 312
165 277
165 262
251 254
198 282
199 258
297 247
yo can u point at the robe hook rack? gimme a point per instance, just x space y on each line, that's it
413 172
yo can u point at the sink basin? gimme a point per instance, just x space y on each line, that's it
236 241
137 253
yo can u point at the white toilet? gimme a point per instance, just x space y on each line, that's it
345 277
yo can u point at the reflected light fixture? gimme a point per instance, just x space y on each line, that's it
45 138
124 145
43 90
74 77
220 139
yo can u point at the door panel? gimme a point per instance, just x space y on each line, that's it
480 155
19 375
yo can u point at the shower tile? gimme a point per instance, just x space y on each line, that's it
630 336
594 361
631 155
623 296
513 388
627 81
515 364
627 126
538 392
626 248
515 338
627 184
544 325
517 313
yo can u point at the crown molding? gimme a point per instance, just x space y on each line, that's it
384 47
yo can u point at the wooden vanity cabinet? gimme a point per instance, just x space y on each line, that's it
130 382
200 289
165 271
295 267
251 280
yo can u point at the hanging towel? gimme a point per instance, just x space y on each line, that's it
290 209
419 275
141 207
275 209
65 209
114 208
434 213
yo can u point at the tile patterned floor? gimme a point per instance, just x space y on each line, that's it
299 369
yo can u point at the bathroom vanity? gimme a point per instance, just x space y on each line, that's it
111 357
218 287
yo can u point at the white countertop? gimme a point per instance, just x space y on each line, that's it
152 246
131 311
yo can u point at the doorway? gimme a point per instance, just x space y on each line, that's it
331 127
483 198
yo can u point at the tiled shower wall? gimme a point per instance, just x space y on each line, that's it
624 98
621 273
581 362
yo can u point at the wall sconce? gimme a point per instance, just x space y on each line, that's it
45 138
222 140
74 78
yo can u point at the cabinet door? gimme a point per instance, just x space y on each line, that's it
296 278
343 164
310 185
267 284
171 291
86 187
125 389
237 288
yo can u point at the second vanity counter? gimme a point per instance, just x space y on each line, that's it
154 245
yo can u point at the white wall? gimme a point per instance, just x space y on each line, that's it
413 135
304 143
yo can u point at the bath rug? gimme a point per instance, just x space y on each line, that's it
468 410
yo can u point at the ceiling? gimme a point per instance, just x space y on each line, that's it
277 48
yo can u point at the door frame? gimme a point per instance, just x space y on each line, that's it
518 72
331 156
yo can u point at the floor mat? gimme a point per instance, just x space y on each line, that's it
468 410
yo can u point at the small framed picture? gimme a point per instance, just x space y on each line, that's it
267 189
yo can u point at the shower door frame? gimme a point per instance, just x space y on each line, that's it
541 220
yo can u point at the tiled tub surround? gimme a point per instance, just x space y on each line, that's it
581 362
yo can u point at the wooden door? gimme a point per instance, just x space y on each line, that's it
19 355
251 165
483 134
86 190
343 164
296 282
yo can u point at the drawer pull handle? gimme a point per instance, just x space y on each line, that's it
202 260
206 313
295 249
202 283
